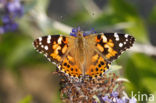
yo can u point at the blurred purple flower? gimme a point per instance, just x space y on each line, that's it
106 99
92 31
115 98
12 10
74 31
114 94
1 30
132 100
85 33
15 8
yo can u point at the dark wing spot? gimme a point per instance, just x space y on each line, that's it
102 63
105 51
99 36
65 64
68 66
71 69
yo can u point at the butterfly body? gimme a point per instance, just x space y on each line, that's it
81 55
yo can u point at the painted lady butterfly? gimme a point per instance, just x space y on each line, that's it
80 54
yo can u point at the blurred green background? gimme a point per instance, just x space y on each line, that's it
26 76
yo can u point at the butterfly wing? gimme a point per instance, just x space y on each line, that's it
111 45
57 49
107 47
54 47
70 66
96 66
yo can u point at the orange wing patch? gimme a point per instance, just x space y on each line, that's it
69 67
56 49
110 46
59 48
98 66
105 46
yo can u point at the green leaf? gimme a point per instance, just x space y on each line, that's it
138 29
77 18
21 50
152 17
141 72
123 8
106 20
127 12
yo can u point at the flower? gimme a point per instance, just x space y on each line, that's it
15 8
104 89
132 100
85 33
74 31
106 99
114 97
87 89
12 10
92 31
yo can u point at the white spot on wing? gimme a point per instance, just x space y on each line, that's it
49 39
120 44
46 47
104 38
40 39
42 46
59 40
126 35
116 36
117 39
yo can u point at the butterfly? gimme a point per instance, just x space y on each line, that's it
80 55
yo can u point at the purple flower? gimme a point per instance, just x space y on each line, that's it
6 19
120 101
92 31
106 99
75 31
132 100
115 98
15 8
114 94
12 10
1 30
10 27
85 33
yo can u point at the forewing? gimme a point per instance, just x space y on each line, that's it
111 45
54 47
